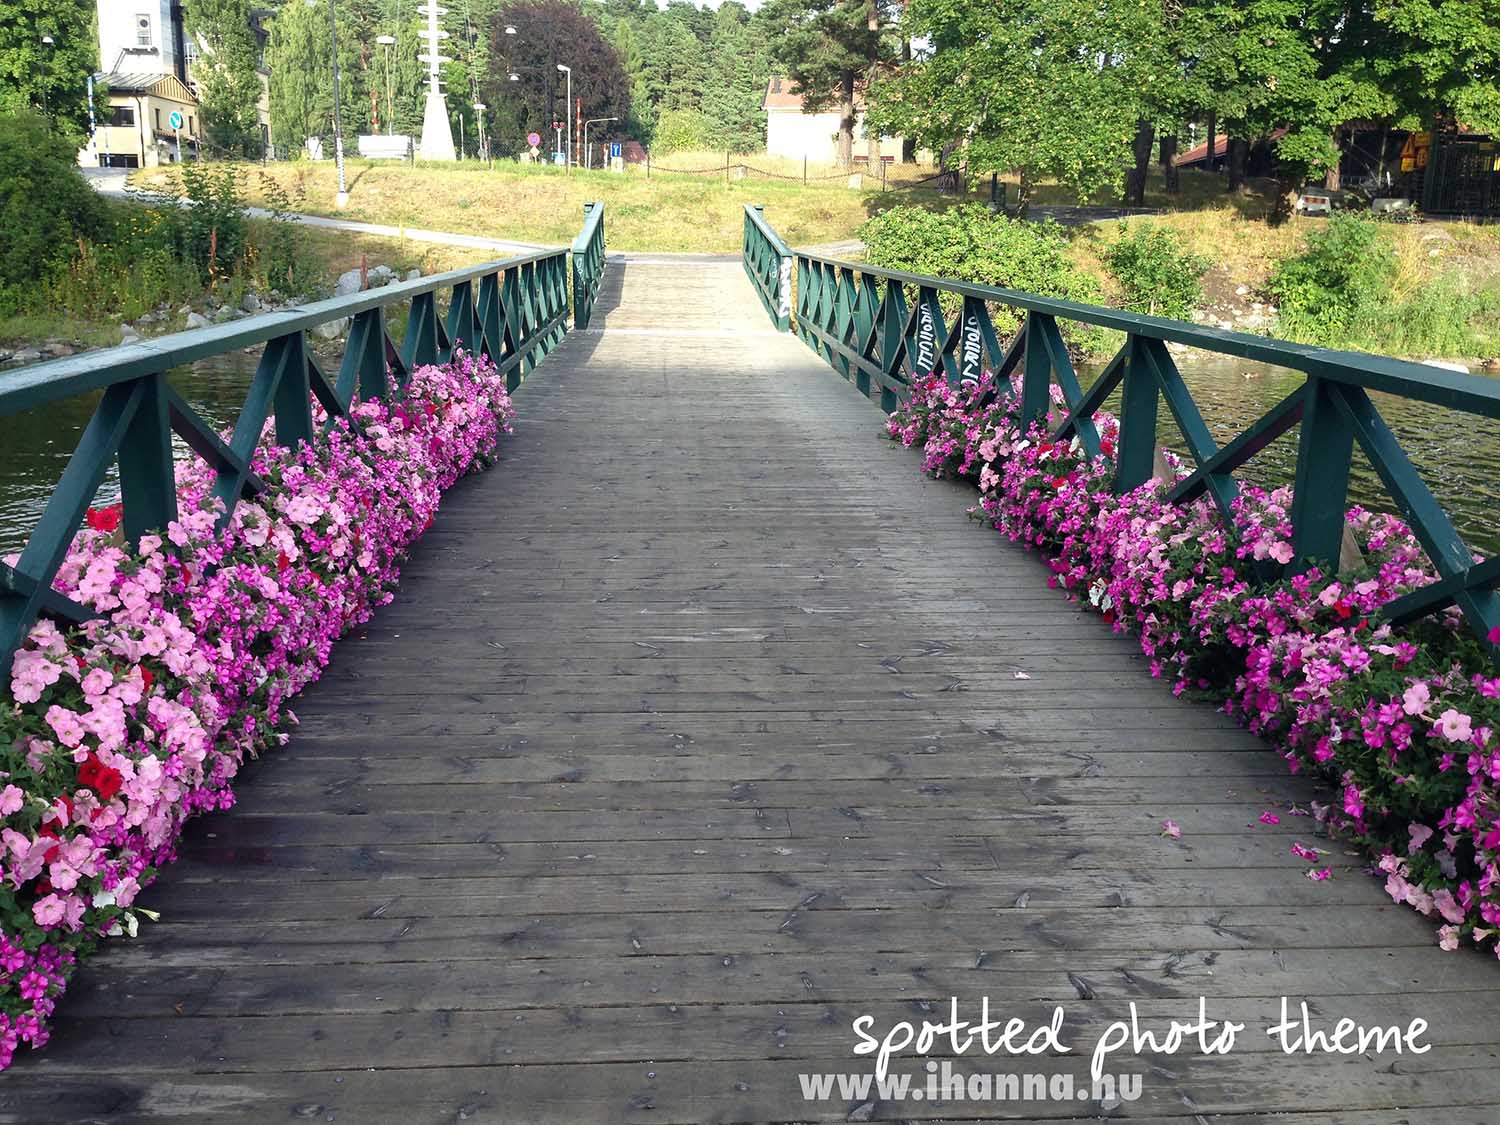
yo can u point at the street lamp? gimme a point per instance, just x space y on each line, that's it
509 30
46 42
588 153
388 41
567 109
342 199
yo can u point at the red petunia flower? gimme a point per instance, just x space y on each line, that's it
146 677
89 771
104 519
1343 610
109 783
282 562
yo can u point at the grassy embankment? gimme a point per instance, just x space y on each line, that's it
329 254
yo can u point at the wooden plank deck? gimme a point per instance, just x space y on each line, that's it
694 732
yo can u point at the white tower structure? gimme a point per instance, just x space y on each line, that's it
437 134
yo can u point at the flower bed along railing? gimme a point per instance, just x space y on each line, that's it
1361 645
153 648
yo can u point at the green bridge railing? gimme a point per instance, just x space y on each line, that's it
883 329
588 263
514 311
768 264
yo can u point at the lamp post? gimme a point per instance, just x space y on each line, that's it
568 109
342 199
588 153
388 41
46 42
479 108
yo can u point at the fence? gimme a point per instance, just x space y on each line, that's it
883 329
514 311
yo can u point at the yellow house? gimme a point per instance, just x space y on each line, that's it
135 126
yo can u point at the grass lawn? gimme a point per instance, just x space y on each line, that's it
541 204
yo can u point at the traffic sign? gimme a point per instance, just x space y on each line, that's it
614 149
174 119
533 139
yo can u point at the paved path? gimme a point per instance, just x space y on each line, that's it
701 726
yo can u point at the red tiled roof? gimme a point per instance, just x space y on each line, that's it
1199 153
779 96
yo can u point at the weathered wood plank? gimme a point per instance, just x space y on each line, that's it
694 731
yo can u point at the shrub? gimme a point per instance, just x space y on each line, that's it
680 130
1155 272
45 204
971 243
1341 278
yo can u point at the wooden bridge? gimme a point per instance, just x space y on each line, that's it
701 726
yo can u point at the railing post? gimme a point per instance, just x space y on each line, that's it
583 303
148 482
1320 497
1140 398
1036 381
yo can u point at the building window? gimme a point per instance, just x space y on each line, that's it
190 124
157 115
143 29
121 115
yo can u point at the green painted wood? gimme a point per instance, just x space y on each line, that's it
1261 433
1067 380
148 484
201 438
292 395
1476 595
363 369
768 265
1093 399
29 581
1321 490
588 263
886 344
463 321
287 380
1036 379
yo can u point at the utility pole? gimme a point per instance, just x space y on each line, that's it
568 109
342 199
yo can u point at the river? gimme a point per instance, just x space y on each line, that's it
1459 455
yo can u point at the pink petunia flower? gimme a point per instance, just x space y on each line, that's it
1171 829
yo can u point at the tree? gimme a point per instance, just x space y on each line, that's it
45 204
550 32
828 48
1026 86
228 83
301 88
738 65
34 75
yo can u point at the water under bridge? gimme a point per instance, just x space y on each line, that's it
700 726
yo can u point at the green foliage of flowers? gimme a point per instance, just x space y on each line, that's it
1155 272
972 243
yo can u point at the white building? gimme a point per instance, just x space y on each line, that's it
794 132
142 37
146 64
